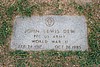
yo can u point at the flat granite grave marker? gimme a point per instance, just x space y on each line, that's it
62 33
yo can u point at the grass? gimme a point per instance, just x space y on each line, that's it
5 31
9 58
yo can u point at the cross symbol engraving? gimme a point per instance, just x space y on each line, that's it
49 21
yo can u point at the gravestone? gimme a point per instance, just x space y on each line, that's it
62 33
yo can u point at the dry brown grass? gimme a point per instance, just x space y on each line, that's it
10 61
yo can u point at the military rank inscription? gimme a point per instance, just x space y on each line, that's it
62 33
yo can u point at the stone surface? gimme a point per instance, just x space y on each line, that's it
50 33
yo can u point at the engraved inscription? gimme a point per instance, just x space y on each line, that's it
50 32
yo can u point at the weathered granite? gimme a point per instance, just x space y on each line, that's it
50 33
